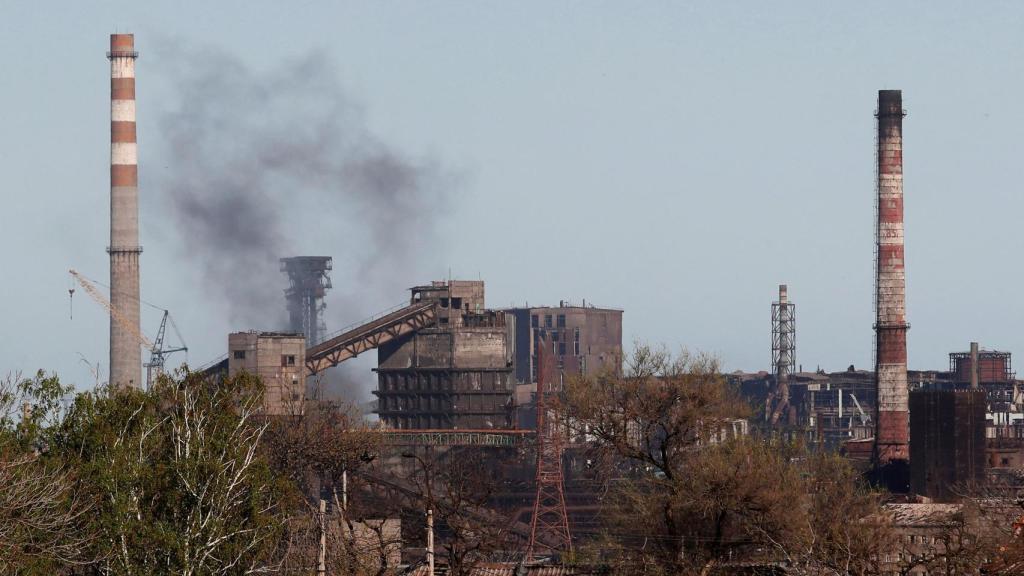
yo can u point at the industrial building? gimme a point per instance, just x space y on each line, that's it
308 281
278 358
947 442
583 339
454 374
448 363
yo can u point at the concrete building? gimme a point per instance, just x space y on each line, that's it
922 532
279 360
455 374
580 339
583 339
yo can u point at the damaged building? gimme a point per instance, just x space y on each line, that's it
455 374
278 358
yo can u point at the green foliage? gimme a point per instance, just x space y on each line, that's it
29 410
176 476
41 516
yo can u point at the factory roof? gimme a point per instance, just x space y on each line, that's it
565 306
263 334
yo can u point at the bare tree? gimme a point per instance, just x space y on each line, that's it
687 491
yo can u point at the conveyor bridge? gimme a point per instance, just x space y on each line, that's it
353 341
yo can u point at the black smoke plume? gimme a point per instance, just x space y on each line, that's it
264 165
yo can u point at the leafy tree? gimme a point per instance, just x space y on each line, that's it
179 484
42 518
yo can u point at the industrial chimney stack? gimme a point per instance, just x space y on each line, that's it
124 249
892 436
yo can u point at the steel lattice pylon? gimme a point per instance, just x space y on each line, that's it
549 527
783 352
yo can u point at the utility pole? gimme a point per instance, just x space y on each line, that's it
321 566
430 542
344 490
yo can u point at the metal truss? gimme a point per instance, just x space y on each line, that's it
369 335
497 438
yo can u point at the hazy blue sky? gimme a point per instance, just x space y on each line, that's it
677 160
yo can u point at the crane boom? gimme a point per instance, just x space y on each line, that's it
102 301
864 418
155 366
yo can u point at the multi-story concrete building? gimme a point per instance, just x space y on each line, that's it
456 374
279 360
583 339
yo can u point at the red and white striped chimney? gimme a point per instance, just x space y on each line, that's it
892 435
124 249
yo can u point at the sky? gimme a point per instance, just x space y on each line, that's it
676 160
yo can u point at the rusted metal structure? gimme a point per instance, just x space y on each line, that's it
447 438
124 249
992 366
549 526
308 282
892 425
453 374
783 351
369 334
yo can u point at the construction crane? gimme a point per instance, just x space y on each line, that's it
117 316
155 366
157 351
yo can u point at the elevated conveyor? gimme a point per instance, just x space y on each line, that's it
351 342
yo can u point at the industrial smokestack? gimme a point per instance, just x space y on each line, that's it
124 249
892 436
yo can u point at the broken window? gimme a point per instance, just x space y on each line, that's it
239 354
287 360
547 320
457 303
561 320
535 321
561 348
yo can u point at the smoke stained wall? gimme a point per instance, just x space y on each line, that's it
259 166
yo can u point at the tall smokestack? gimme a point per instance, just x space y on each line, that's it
124 249
892 424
